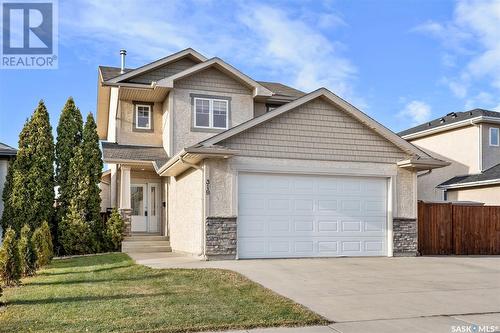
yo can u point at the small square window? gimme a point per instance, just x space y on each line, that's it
143 116
494 136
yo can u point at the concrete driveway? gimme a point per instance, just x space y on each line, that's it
427 294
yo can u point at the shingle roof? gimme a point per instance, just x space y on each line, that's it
6 150
114 151
488 174
110 72
279 89
450 118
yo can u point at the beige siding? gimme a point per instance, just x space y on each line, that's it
491 154
105 196
212 79
241 109
223 179
487 195
460 147
164 71
316 130
185 214
126 134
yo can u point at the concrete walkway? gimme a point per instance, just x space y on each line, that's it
425 294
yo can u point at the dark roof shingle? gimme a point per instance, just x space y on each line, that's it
450 118
111 72
488 174
114 151
6 150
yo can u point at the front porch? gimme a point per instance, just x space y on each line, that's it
139 194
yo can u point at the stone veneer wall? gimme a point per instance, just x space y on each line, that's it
221 237
405 237
127 219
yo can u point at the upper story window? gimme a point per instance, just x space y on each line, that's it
211 113
143 117
494 136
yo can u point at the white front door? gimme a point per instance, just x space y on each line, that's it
138 198
154 207
145 199
282 216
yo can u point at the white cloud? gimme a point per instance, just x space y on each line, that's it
417 111
275 42
473 38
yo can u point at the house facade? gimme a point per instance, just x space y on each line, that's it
227 167
470 142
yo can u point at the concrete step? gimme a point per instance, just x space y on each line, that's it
146 244
139 238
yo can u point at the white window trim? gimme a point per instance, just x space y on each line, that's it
137 116
498 136
211 113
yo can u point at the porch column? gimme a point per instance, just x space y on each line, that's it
113 185
125 207
125 188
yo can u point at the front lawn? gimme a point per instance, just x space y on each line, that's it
105 293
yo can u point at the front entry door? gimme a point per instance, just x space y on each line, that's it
144 199
153 202
138 197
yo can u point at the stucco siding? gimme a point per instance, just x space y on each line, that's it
259 109
241 110
185 212
316 130
223 179
164 71
126 133
212 79
491 154
487 195
460 147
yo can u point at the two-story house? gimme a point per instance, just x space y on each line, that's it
224 166
470 142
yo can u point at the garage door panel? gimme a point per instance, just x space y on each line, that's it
309 216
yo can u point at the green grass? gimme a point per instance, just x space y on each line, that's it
109 293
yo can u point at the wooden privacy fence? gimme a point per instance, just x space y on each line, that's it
446 228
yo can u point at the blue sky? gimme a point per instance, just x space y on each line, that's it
401 62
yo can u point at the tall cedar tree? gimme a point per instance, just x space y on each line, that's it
69 136
75 234
32 192
6 194
93 164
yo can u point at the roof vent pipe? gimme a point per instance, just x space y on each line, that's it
123 53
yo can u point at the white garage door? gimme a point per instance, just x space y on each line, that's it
282 216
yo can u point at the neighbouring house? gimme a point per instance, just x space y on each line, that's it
6 154
470 142
222 166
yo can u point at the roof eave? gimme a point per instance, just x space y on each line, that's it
470 184
447 127
191 156
422 164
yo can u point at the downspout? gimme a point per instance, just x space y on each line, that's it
205 206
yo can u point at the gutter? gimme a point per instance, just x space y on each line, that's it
131 85
470 184
422 164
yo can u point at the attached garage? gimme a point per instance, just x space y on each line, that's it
313 178
288 215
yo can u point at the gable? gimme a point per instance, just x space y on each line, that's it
164 71
212 79
315 130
